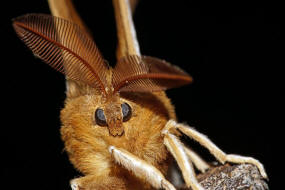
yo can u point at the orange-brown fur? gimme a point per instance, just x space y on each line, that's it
87 143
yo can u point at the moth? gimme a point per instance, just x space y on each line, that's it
118 126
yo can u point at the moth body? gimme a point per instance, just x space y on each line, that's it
118 126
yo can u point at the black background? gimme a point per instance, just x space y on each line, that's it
232 50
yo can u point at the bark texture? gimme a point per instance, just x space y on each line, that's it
232 177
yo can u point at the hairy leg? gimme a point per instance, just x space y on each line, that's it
198 162
176 148
92 182
140 168
214 150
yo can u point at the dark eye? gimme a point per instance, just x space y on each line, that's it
127 111
100 117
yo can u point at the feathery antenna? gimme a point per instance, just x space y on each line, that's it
64 46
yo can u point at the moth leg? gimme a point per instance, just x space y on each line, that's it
93 182
140 168
214 150
198 162
176 148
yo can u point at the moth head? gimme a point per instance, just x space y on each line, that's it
113 115
67 48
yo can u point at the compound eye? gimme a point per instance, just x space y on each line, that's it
127 111
100 117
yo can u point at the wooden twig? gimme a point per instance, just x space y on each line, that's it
232 177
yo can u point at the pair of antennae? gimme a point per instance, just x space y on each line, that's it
67 48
